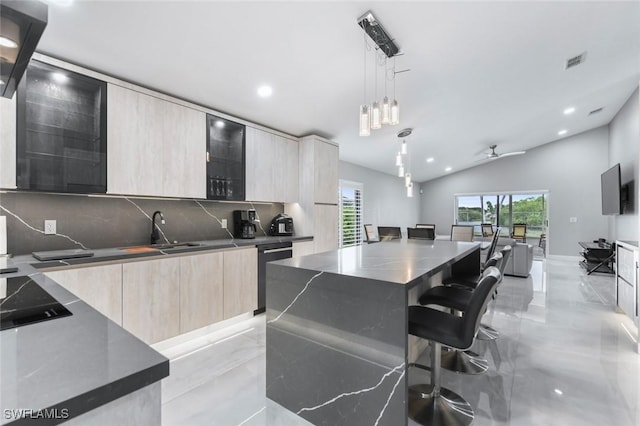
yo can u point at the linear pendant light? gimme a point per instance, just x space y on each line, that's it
387 112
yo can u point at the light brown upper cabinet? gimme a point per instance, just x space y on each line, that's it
271 167
156 147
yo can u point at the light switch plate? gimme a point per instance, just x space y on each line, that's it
49 227
573 219
224 223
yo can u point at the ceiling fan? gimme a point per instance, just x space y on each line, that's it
493 155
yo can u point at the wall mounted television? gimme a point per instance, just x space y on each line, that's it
611 191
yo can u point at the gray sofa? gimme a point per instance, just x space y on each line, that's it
521 259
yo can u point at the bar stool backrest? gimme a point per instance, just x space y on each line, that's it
506 253
494 243
480 298
495 260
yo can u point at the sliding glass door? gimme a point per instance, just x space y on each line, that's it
504 210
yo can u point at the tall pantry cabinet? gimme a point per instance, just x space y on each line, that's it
317 210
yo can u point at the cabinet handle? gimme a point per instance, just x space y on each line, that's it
208 157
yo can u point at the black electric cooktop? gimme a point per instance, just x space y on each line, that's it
24 302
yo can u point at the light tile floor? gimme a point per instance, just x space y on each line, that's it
563 358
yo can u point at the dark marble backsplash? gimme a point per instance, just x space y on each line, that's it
94 222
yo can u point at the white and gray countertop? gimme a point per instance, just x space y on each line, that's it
401 261
82 361
128 253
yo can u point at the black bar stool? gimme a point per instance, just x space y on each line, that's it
430 404
457 297
486 332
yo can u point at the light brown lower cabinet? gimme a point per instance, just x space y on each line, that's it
240 281
151 299
99 286
201 290
160 298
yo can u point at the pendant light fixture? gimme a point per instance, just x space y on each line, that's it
365 117
403 147
410 190
398 160
364 121
395 107
386 107
375 115
401 171
407 179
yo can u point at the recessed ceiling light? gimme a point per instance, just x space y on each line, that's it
448 169
58 77
219 124
569 110
558 391
562 132
265 91
7 42
430 160
2 82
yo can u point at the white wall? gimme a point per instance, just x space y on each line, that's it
385 201
569 169
624 139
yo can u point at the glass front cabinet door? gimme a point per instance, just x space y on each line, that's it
61 124
225 159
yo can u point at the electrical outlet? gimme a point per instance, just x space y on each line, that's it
224 223
50 227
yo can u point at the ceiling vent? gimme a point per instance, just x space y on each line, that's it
595 111
576 60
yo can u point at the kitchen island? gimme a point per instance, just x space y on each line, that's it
337 340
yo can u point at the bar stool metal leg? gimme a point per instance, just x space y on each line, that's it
487 333
465 362
436 406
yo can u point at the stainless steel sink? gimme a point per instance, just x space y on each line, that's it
173 245
154 247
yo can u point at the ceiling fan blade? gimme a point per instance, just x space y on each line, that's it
509 154
485 158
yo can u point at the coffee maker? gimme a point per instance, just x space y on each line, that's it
244 223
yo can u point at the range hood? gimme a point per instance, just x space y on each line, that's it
22 23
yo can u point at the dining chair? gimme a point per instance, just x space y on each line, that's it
487 229
519 232
461 232
389 233
421 233
370 232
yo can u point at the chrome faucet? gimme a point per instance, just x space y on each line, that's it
155 236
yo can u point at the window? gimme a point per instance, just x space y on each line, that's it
503 210
351 226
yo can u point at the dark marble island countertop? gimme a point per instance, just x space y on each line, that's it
72 364
399 261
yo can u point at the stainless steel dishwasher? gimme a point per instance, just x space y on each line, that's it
267 253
